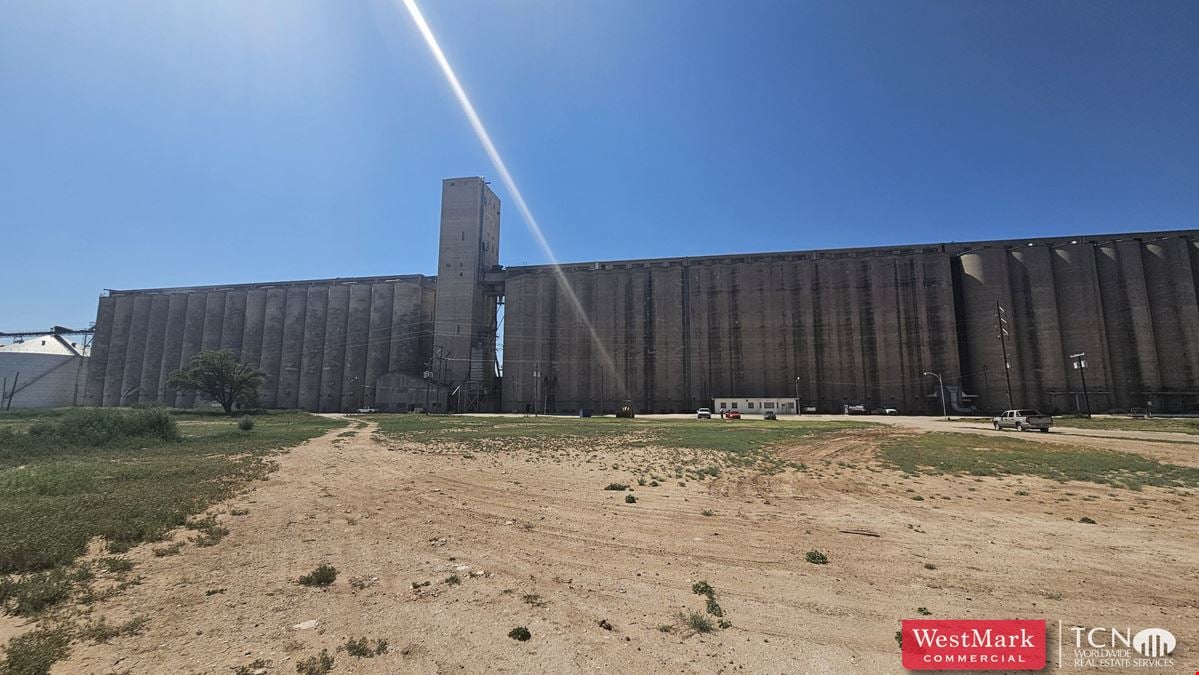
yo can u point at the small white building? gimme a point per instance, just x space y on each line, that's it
755 406
46 371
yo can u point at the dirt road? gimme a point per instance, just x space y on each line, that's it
536 541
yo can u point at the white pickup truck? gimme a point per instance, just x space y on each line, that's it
1022 420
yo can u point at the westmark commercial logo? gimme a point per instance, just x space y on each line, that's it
993 644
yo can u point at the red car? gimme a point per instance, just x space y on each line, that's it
731 415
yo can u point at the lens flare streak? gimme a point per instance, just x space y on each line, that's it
497 161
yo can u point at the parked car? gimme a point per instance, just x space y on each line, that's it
731 414
884 411
1022 420
769 415
703 414
368 411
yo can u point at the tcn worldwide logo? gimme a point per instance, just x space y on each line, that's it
1117 648
993 644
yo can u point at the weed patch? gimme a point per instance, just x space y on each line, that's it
697 622
323 575
101 632
28 595
362 648
124 476
534 600
320 664
969 454
168 550
116 565
35 652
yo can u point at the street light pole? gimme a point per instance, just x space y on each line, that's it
941 386
798 409
1080 364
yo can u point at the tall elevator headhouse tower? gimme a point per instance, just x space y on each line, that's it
465 317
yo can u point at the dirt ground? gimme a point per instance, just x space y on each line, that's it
538 542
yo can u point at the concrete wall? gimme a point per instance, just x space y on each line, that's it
465 324
42 380
856 328
322 344
860 326
1128 301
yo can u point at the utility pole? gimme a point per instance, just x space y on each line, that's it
1001 323
941 386
436 359
798 408
1080 364
536 387
428 374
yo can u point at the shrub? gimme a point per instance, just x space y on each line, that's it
35 652
321 576
618 487
102 632
316 665
453 580
116 565
816 557
361 648
923 611
94 427
696 622
168 550
35 592
520 633
1087 520
245 423
630 499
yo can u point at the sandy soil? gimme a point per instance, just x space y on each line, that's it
516 524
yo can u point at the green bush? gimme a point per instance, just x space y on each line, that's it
35 652
816 557
321 576
245 423
696 622
31 594
95 427
316 665
362 648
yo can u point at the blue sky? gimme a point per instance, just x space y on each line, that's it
149 143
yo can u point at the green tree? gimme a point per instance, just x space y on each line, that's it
218 374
